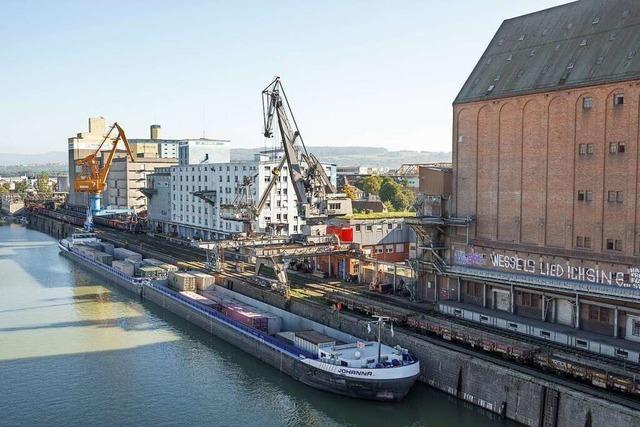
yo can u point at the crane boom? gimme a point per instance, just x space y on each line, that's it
311 185
93 178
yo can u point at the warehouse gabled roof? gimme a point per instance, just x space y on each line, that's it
582 43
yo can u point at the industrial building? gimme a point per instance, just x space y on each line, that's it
544 220
197 190
155 146
126 179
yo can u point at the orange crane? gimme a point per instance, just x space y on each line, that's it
93 178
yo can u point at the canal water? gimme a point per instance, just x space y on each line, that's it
78 351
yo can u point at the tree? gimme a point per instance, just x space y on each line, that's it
42 185
4 188
349 191
403 199
388 190
21 187
370 184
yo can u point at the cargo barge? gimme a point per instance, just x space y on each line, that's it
312 353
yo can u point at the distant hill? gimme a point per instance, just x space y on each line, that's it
359 156
341 156
52 157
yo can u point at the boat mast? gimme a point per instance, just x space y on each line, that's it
380 322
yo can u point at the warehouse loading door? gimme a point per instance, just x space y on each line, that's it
502 300
565 312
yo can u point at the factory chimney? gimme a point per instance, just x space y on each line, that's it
155 131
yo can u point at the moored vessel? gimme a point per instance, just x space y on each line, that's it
316 355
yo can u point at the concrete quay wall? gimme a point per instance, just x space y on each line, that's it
519 396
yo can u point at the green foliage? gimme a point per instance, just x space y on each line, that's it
388 190
21 187
370 184
396 195
350 192
404 199
42 185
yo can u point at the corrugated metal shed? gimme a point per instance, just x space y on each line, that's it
582 43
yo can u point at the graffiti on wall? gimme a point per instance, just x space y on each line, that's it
567 271
469 258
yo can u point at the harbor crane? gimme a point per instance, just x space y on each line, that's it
93 178
316 196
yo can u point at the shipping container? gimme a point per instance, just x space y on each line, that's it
311 340
203 281
123 267
168 267
103 257
149 271
108 248
199 298
122 253
182 281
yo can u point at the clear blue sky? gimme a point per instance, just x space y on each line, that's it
366 73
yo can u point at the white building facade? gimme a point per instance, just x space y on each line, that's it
197 191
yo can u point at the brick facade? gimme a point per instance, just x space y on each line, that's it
538 170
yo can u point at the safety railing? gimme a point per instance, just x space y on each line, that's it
111 270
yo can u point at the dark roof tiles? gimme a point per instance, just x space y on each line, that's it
581 43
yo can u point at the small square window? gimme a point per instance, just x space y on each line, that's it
610 244
587 242
582 149
589 148
581 196
618 245
579 242
619 196
618 99
613 147
587 102
621 147
611 196
589 195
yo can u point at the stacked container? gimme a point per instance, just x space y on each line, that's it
123 267
108 248
103 257
122 253
168 267
203 281
149 271
182 281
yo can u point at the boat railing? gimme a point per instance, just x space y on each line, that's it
134 280
294 351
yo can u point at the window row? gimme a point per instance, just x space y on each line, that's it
618 100
612 196
614 148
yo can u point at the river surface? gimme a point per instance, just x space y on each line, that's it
76 350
